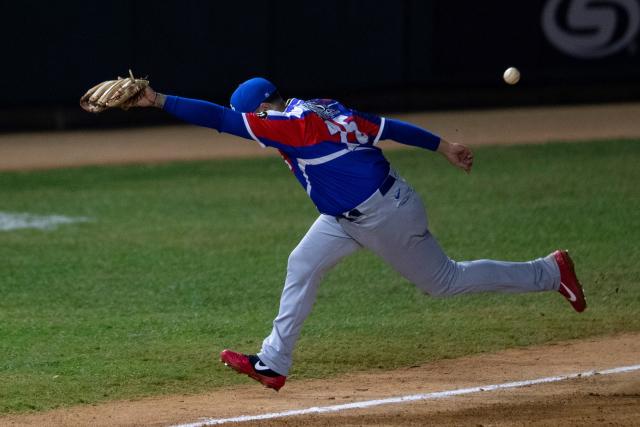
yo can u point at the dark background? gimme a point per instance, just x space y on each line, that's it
383 56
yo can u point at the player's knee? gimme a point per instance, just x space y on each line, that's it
299 263
433 289
439 283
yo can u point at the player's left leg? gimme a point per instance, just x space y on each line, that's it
324 245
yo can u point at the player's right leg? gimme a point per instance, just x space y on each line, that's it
324 245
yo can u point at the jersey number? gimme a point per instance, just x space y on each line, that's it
344 128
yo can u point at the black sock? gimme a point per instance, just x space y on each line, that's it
266 372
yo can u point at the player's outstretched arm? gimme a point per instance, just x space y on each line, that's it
408 134
197 112
405 133
267 131
457 154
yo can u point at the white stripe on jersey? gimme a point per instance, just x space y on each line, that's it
324 159
377 139
246 123
296 113
302 163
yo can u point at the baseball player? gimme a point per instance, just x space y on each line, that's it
363 202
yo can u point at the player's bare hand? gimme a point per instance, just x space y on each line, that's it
457 154
150 98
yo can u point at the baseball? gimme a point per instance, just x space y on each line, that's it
511 75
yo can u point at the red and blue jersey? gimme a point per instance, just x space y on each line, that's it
331 149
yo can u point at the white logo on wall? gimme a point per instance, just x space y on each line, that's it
591 28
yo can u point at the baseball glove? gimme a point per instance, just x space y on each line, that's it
121 93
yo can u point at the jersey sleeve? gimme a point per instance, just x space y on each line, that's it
275 129
369 124
408 134
207 114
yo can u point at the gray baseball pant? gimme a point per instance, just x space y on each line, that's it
395 227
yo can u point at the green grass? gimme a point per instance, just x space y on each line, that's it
186 259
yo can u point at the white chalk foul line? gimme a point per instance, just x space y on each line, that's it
409 398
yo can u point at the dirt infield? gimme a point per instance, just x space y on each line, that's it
608 399
160 144
598 400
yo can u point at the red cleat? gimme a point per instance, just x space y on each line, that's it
570 287
242 364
